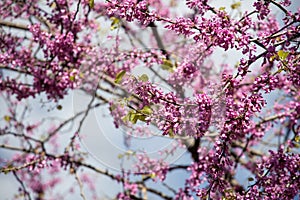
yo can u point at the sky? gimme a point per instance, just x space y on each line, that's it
102 141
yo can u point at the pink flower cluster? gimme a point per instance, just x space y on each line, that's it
184 74
155 168
278 175
131 10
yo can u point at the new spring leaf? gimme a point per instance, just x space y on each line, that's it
91 3
282 54
119 76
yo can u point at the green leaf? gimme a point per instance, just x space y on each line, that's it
125 118
91 3
146 110
152 175
171 133
7 118
129 152
297 138
119 76
167 65
141 117
236 5
282 54
115 23
133 117
272 58
72 78
222 8
144 78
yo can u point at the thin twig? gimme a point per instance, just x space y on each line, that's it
14 25
80 186
26 193
66 122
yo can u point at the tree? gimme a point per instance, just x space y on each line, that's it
156 67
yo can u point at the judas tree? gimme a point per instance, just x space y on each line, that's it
203 95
